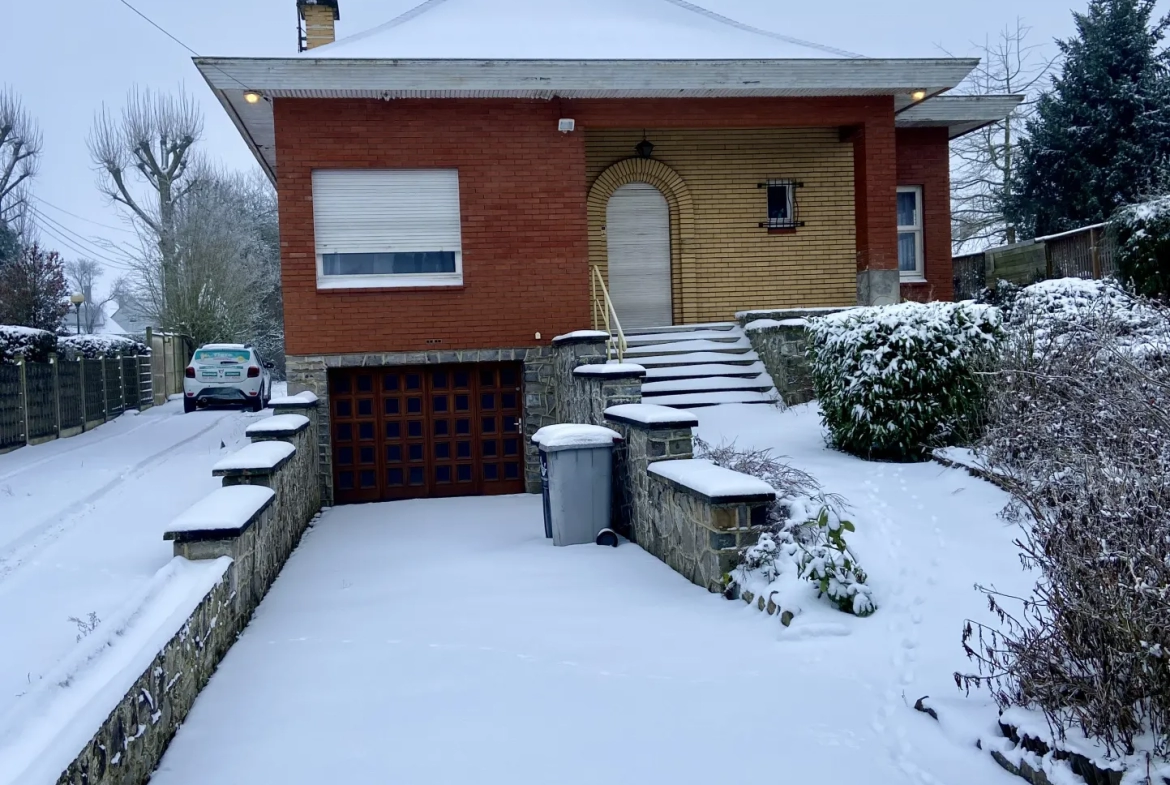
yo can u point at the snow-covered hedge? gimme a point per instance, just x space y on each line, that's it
93 347
895 381
1143 246
31 344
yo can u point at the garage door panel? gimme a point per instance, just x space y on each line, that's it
427 431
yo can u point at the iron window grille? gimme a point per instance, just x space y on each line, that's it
783 207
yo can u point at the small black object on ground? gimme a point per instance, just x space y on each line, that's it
607 537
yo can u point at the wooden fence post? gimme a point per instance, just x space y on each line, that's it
56 389
1095 254
23 372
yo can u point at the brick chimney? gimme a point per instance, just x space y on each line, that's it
319 16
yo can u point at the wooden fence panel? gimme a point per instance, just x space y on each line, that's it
11 408
970 274
41 400
72 396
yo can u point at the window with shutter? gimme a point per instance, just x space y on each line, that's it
387 227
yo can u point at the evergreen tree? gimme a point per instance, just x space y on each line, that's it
1100 138
33 291
9 244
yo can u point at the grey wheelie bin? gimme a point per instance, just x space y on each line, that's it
576 467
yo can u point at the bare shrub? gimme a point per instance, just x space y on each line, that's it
1079 432
799 496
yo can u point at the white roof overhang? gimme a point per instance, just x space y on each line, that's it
959 114
303 77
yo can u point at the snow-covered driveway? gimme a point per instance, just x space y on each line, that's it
446 641
81 524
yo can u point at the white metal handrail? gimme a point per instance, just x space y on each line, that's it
606 318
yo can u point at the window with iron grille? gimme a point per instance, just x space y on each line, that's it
782 205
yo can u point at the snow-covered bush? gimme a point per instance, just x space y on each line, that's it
805 535
1143 246
895 381
1003 297
33 345
94 347
1078 431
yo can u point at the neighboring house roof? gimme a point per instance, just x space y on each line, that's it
131 317
961 114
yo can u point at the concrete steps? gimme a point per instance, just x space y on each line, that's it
690 366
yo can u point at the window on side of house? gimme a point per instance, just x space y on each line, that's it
781 205
910 261
387 227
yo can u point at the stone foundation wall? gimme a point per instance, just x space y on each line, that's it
782 348
131 742
590 394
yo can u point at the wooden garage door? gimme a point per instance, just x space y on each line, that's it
411 432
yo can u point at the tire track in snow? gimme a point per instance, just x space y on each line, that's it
70 450
47 532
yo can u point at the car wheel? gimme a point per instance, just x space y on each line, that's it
257 403
188 405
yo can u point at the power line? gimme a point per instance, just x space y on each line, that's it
698 9
162 30
75 242
85 241
82 218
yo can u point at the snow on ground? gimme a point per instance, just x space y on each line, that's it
446 641
81 525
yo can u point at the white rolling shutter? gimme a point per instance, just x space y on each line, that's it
386 211
637 226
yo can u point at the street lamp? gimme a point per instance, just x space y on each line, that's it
77 298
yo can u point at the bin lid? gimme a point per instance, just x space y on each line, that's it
574 436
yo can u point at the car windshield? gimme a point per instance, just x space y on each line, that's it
222 355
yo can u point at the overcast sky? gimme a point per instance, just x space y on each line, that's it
66 57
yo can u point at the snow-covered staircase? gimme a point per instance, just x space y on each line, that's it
699 365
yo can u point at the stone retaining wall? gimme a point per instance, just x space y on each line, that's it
782 346
697 536
131 742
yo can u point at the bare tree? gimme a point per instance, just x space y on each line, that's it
82 276
983 161
150 148
20 152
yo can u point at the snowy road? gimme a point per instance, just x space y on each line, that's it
81 524
447 641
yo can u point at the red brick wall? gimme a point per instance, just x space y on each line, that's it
522 200
924 159
523 203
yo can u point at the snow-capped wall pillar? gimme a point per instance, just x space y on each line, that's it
595 388
692 515
582 347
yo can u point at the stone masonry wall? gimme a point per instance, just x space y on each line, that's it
130 743
782 349
698 538
591 394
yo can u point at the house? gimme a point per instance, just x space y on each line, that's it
453 183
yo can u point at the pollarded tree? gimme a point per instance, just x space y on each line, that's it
145 163
1101 137
20 152
33 291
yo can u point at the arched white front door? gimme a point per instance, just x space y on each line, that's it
637 227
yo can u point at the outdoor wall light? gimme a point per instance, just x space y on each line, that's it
918 95
252 97
644 148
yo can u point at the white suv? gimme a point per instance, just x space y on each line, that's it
222 373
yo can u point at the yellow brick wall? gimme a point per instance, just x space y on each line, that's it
318 25
730 263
